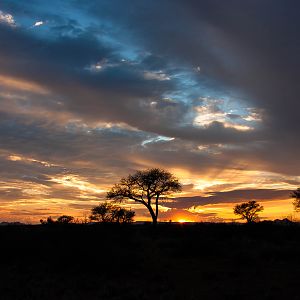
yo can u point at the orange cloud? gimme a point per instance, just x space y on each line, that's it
21 84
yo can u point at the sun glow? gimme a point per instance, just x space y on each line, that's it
184 221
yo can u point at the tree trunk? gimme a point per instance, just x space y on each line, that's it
154 220
154 217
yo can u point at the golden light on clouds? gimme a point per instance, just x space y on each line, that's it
210 112
75 194
23 85
75 181
14 157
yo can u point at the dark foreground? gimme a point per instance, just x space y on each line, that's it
214 261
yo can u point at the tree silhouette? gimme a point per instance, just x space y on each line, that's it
146 187
48 221
108 212
129 215
122 215
296 195
64 219
248 211
101 213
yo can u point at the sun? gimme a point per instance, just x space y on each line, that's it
183 221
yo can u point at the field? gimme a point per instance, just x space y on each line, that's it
201 261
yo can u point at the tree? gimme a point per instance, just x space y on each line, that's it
146 187
108 212
64 219
48 221
122 215
101 213
296 195
248 211
128 217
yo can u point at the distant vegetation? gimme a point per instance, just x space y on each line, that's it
64 219
103 213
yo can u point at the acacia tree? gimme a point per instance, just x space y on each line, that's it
146 187
296 195
248 211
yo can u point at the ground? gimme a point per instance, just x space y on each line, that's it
201 261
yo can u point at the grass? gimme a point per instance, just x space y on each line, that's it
202 261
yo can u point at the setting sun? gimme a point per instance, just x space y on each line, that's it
184 221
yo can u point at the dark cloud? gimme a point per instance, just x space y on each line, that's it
116 94
234 196
250 48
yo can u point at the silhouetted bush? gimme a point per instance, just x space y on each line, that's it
48 221
64 219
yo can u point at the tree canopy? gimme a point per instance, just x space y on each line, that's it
109 212
146 187
296 195
248 211
64 219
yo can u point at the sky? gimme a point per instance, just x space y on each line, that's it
91 91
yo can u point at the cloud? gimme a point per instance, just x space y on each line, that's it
7 19
38 23
159 75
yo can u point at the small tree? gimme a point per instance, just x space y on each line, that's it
146 187
101 213
117 214
122 215
128 217
64 219
107 212
248 211
296 195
